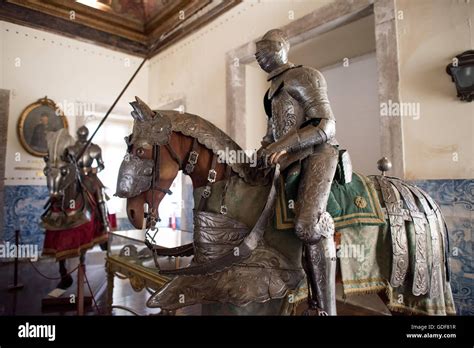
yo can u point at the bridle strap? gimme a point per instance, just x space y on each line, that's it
174 155
156 169
152 216
228 174
192 158
211 179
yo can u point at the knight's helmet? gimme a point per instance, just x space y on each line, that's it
272 50
82 133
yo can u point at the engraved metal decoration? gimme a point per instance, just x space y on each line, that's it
420 276
435 215
211 177
192 160
397 228
426 217
265 275
150 127
320 261
135 176
435 230
215 235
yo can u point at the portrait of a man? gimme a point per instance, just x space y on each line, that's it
36 120
38 139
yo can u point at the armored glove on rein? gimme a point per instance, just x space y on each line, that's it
298 140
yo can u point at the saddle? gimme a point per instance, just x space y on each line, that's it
353 200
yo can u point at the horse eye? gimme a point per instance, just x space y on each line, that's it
148 171
64 171
140 152
46 171
46 158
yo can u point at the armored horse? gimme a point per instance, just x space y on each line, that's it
246 258
72 217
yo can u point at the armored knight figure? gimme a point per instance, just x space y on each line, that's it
301 131
89 173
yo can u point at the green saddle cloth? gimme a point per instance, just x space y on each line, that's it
352 204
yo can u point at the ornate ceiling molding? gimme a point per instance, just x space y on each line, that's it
128 26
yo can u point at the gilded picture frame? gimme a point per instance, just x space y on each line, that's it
35 120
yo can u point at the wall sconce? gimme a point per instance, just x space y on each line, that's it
461 71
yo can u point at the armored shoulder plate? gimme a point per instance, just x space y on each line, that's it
308 86
94 150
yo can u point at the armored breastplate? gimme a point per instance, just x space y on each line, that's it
296 95
86 160
287 113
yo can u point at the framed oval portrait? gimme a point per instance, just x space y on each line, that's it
37 119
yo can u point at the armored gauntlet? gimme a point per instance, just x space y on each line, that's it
297 140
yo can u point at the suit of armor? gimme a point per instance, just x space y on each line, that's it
89 173
300 121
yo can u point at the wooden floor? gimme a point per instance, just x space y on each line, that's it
27 301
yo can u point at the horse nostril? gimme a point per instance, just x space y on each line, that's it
132 213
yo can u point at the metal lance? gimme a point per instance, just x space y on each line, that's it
152 49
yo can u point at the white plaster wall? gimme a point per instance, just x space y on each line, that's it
256 85
195 66
2 45
348 41
439 145
65 70
353 94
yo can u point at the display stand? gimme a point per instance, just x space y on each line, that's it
80 286
16 286
64 303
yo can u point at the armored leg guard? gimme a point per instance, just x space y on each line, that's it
315 227
103 210
319 262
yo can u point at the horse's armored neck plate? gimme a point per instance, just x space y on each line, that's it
150 127
156 131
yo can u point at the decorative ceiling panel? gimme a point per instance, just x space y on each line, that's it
138 27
